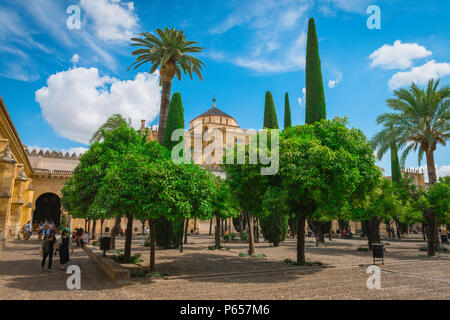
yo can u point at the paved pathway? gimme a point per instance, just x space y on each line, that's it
403 277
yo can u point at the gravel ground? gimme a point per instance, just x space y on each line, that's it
200 273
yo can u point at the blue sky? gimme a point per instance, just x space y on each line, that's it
60 84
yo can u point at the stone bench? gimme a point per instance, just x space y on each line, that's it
115 271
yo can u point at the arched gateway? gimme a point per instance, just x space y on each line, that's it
48 207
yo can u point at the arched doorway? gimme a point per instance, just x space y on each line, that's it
48 207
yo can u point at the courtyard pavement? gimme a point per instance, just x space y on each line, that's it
200 273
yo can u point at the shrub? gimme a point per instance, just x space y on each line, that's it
308 263
362 249
168 233
226 237
275 222
134 259
439 249
244 236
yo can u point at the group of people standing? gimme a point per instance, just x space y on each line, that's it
51 245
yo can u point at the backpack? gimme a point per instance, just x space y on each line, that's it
45 245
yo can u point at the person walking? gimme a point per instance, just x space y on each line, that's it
47 248
64 244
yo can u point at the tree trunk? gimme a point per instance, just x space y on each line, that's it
128 238
301 240
151 223
217 233
101 227
182 237
164 109
424 231
431 168
114 232
186 230
210 226
241 224
431 233
292 223
399 231
373 231
257 230
251 241
89 226
94 224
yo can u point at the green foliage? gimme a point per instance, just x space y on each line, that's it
244 236
270 114
170 50
175 120
383 203
226 237
325 167
287 112
120 258
307 263
439 248
274 224
113 122
420 121
395 164
168 233
315 96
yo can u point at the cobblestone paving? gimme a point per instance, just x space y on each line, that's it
199 273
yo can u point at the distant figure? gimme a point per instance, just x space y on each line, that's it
343 233
47 250
85 238
64 244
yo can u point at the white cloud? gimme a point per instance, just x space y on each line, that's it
269 47
114 20
333 82
75 59
78 101
443 171
301 100
398 56
419 75
329 7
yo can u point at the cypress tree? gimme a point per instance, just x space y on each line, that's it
395 164
168 234
270 115
175 120
287 112
315 96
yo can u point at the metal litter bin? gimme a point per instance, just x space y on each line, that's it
105 244
378 252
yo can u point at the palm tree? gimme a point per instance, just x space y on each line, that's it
112 123
169 53
422 121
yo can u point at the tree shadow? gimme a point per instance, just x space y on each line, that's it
218 268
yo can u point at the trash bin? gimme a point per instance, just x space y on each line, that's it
105 244
378 252
444 238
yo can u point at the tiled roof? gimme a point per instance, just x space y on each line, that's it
214 112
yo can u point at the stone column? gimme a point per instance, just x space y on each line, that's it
7 174
28 203
18 201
